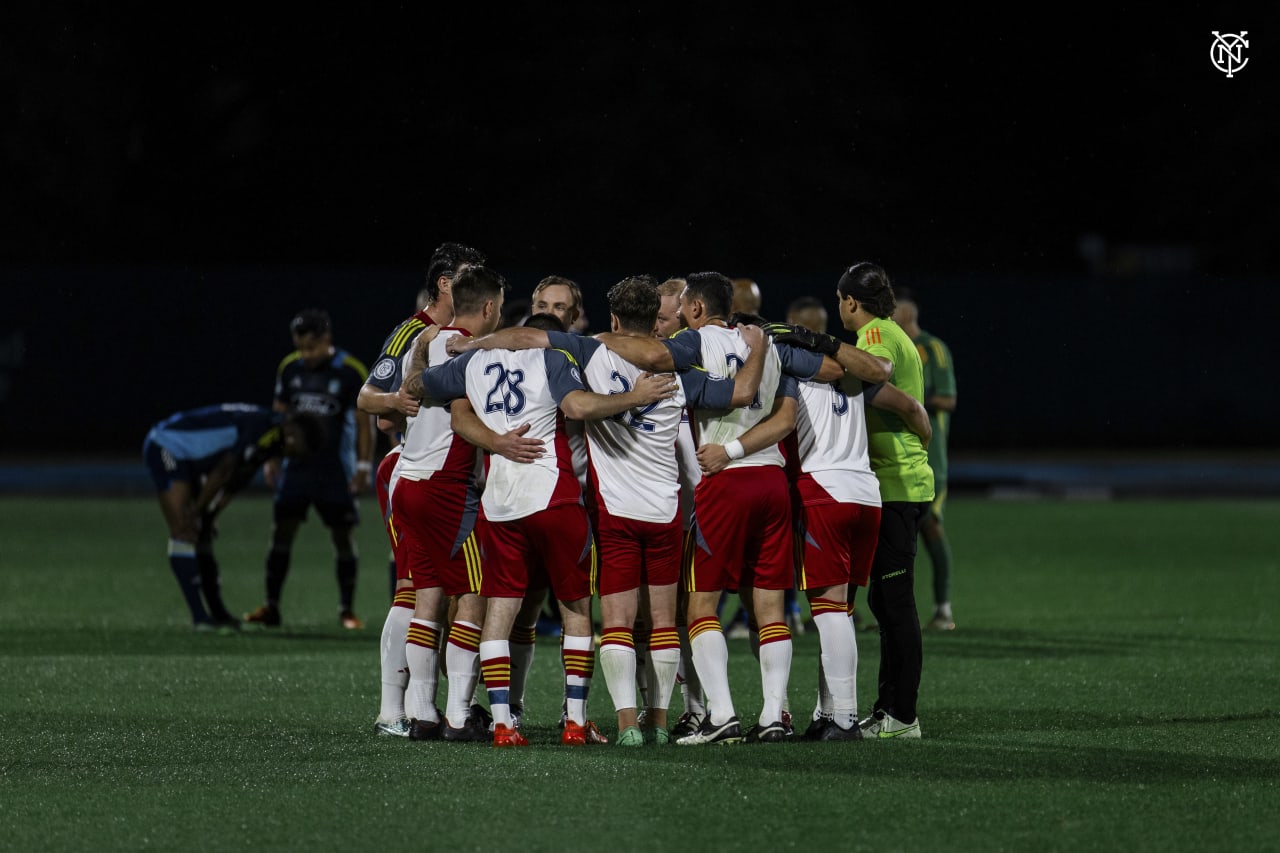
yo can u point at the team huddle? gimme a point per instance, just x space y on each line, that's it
688 452
534 460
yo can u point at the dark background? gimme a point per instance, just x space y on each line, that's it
1085 206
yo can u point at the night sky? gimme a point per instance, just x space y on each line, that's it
1083 198
644 139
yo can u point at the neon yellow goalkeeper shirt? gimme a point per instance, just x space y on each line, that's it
898 458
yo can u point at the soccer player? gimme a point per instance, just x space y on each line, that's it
837 527
743 527
434 507
560 296
807 311
743 515
695 709
635 478
198 460
323 380
379 396
532 513
940 402
901 463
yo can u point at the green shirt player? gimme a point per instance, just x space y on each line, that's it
940 402
900 461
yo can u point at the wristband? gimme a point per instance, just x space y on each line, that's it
364 466
734 449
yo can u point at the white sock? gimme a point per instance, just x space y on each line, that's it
775 669
839 657
420 651
579 665
664 663
495 661
394 663
461 660
687 675
618 660
711 659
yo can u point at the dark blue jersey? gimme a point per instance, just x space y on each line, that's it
329 392
200 437
386 374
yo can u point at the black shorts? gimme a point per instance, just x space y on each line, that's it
896 546
322 484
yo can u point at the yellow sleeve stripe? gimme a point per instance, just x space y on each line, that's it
940 353
403 336
287 360
572 360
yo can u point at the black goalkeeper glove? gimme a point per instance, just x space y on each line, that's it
799 336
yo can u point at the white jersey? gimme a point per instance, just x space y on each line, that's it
508 389
430 444
722 352
831 437
690 470
633 454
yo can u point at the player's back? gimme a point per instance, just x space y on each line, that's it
723 352
832 441
508 389
431 449
200 433
633 458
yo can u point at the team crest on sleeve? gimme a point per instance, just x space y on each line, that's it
577 377
384 369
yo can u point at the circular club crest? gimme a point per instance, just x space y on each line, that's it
384 369
1227 52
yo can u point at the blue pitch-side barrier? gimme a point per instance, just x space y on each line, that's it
1083 477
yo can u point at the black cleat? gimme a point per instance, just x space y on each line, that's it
816 728
771 733
474 730
709 732
481 712
423 730
834 732
688 723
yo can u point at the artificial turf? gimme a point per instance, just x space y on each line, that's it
1113 684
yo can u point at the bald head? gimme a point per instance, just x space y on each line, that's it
907 315
746 296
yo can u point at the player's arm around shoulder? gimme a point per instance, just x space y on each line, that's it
513 444
781 420
890 398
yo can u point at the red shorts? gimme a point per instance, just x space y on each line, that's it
635 552
435 530
742 530
555 543
382 488
839 541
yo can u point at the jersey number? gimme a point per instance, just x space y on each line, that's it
635 417
505 395
839 402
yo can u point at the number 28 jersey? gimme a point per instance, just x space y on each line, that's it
507 389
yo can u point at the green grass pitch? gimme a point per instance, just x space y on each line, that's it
1114 684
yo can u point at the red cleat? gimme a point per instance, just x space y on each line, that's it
576 735
507 736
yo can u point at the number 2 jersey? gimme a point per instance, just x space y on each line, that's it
633 454
722 351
